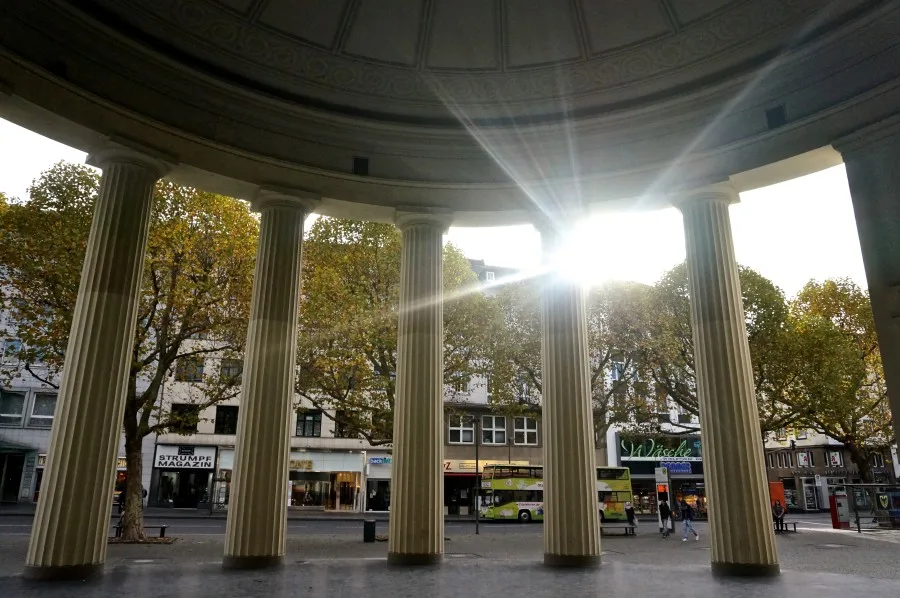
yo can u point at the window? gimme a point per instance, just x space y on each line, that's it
11 348
184 418
489 276
877 460
789 459
493 429
525 430
42 410
770 460
835 459
189 369
462 429
461 385
309 424
802 434
781 434
343 424
231 369
12 408
618 371
226 419
804 459
780 459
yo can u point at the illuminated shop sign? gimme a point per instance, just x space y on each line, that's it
661 449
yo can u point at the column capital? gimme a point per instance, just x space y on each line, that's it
870 138
406 216
123 151
716 193
270 197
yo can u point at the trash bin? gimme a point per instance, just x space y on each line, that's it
369 530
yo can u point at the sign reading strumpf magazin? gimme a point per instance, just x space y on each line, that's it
185 457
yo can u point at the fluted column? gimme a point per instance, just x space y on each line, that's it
257 512
741 535
571 510
416 535
872 159
68 538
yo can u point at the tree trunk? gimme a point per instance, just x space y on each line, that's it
133 516
861 459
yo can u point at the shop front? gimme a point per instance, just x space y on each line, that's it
683 457
326 480
460 480
378 481
182 476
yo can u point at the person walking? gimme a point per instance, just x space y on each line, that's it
687 516
778 516
665 515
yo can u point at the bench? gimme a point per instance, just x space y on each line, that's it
627 528
786 525
161 528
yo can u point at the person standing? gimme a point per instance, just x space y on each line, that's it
665 515
687 516
778 516
629 514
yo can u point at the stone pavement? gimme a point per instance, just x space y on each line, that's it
814 563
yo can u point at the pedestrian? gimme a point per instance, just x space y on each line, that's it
665 514
687 516
778 516
122 500
629 514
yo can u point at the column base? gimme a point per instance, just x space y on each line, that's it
745 570
62 572
252 562
583 561
405 558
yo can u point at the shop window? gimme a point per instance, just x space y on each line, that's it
462 429
189 369
493 429
877 460
525 431
231 370
184 418
11 349
309 424
12 408
42 410
226 419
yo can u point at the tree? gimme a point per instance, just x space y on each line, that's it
196 284
617 344
347 345
769 335
842 392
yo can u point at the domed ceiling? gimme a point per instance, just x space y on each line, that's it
435 61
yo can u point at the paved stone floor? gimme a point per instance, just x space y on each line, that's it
816 563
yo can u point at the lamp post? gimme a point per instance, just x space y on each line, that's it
477 481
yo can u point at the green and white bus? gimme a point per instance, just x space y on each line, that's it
517 492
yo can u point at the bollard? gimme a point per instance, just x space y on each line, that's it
369 530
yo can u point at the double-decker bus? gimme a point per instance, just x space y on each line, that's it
517 492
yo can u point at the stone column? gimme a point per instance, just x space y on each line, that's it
741 535
571 510
872 159
257 511
68 538
416 535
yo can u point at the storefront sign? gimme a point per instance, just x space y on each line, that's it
121 462
185 457
379 460
678 467
468 466
304 464
661 449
